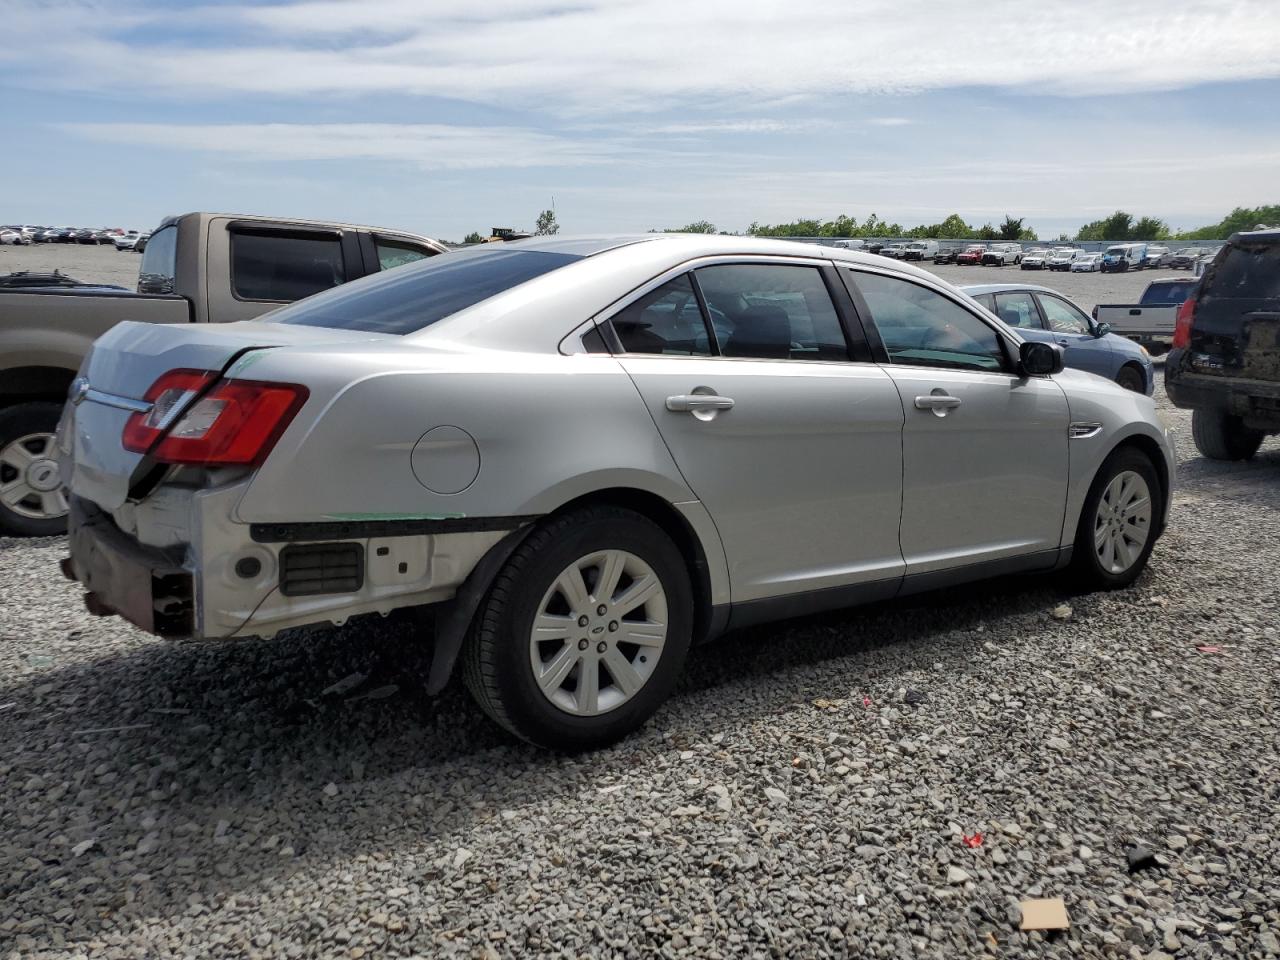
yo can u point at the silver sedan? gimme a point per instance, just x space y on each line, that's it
587 454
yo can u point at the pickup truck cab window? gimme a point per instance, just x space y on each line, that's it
923 328
396 253
159 262
284 266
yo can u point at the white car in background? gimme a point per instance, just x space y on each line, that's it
1061 258
1087 263
129 240
12 237
1037 258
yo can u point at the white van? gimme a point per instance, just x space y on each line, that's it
850 244
1124 256
920 250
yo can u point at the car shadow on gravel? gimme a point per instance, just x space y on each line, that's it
207 768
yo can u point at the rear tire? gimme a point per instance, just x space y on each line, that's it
538 670
1117 527
31 501
1131 378
1220 436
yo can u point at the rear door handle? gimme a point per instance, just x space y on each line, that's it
698 402
938 401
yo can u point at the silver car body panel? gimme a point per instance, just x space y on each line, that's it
823 475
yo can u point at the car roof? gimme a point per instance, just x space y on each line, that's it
1256 236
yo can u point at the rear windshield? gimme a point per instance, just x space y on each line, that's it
1249 272
1168 292
415 296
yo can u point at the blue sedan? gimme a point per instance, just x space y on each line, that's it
1039 313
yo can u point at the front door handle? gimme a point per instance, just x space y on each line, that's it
698 403
937 402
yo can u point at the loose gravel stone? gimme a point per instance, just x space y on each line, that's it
239 810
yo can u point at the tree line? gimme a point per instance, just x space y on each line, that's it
1119 226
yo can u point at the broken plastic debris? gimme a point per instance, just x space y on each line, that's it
1062 611
866 701
345 685
378 693
1140 858
972 841
1050 914
1208 648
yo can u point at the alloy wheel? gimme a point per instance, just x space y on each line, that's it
599 633
29 481
1123 522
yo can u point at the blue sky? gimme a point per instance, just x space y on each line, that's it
456 115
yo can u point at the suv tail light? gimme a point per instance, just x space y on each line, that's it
1182 328
234 422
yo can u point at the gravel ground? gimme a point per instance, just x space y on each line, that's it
804 794
104 264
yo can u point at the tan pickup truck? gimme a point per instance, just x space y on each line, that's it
197 268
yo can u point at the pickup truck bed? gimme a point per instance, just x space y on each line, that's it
1151 321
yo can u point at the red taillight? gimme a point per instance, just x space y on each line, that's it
1182 329
169 396
237 422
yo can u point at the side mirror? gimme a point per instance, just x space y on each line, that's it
1101 329
1037 358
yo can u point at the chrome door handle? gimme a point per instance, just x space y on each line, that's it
937 402
695 402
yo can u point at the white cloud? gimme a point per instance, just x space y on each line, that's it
889 121
598 56
426 145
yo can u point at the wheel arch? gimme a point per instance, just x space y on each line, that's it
1151 450
675 525
35 382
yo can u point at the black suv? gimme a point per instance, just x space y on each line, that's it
1225 361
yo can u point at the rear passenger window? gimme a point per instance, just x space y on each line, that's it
284 267
772 312
1018 310
667 320
924 328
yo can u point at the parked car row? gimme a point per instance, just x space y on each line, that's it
85 235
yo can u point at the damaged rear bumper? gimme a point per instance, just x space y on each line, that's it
145 585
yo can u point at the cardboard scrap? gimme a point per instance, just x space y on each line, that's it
1048 914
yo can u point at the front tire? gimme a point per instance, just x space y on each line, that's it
584 632
1117 527
32 502
1131 378
1220 436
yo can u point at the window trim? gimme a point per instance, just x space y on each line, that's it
1009 348
348 249
603 318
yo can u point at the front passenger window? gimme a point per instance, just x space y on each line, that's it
924 328
1063 317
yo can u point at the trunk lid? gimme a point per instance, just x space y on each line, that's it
124 363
